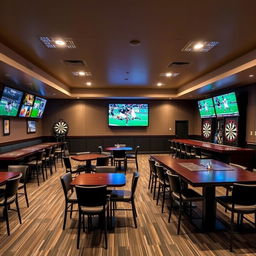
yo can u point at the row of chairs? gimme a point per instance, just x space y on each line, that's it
242 201
96 200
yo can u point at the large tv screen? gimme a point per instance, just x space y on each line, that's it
206 108
38 107
10 102
226 105
27 105
128 115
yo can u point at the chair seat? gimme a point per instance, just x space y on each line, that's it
93 209
130 156
9 200
226 201
188 195
34 162
120 195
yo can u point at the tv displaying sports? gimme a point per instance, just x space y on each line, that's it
226 105
38 107
10 101
27 105
128 115
206 108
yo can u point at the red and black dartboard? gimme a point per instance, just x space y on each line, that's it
207 129
231 130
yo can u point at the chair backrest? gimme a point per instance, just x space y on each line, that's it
175 184
102 161
48 152
105 169
244 194
177 146
67 164
152 165
11 187
135 178
40 155
160 173
19 168
136 150
66 179
119 153
91 195
100 149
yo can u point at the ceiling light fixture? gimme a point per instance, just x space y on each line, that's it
169 74
82 73
159 84
57 42
88 83
251 75
60 42
199 46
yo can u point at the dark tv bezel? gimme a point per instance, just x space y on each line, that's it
33 107
25 93
17 114
212 116
28 132
226 115
137 126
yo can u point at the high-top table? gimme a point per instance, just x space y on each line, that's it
195 172
225 153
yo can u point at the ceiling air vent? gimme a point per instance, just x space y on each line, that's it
76 63
178 64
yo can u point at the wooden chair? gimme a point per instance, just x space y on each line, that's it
182 195
92 201
68 166
70 195
119 158
242 201
23 180
134 156
153 177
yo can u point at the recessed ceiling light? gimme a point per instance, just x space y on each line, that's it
159 84
88 83
81 73
251 75
57 42
169 74
199 46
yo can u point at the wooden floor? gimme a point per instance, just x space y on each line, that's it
41 231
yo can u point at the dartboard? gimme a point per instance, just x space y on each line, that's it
207 129
60 128
231 130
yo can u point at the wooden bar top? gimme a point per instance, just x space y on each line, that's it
220 174
23 152
4 176
212 146
96 179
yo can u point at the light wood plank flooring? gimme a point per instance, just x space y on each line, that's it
41 231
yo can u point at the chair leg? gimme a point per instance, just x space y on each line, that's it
105 230
170 212
154 194
71 210
163 198
134 213
37 175
65 216
158 192
26 194
78 231
18 208
7 219
149 181
231 232
180 209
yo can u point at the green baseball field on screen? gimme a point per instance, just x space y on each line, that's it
11 112
226 105
206 108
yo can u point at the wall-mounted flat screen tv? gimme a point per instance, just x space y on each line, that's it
206 108
10 101
38 107
128 115
27 105
226 105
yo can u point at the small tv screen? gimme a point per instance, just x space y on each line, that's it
10 102
128 115
31 126
206 108
226 105
27 105
38 107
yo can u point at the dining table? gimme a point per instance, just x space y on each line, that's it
208 174
4 176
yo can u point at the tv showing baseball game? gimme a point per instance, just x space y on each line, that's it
38 107
226 105
27 105
128 115
10 101
206 108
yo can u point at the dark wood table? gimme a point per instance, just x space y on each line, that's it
95 179
27 151
194 172
4 176
88 158
227 154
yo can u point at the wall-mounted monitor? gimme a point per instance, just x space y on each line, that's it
226 105
206 108
10 101
128 115
27 105
38 107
